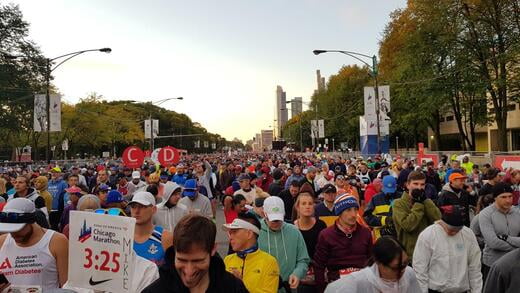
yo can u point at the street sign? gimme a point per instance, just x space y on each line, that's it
133 157
101 254
65 145
505 162
168 156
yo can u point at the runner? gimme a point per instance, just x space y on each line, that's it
246 189
194 202
195 266
170 211
257 269
325 210
30 254
378 213
135 185
150 241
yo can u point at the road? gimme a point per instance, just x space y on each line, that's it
222 238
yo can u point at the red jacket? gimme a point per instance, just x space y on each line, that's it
370 191
336 251
264 183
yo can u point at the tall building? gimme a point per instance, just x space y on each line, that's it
266 137
258 140
296 106
281 110
320 81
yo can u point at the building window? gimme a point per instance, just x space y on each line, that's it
449 118
511 107
442 119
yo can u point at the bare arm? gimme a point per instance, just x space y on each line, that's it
167 239
59 247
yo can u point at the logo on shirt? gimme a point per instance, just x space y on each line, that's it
153 249
85 232
94 283
6 264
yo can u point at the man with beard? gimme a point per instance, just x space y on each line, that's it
46 251
195 267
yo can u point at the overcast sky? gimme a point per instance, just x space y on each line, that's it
224 57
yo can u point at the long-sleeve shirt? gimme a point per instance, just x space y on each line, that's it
503 276
494 223
447 263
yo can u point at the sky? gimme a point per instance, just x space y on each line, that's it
225 58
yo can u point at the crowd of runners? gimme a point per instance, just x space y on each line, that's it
296 223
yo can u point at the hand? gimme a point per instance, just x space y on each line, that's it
389 221
418 195
294 281
236 273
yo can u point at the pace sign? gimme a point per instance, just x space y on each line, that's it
101 251
133 157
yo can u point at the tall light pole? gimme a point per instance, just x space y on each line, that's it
49 70
157 103
373 73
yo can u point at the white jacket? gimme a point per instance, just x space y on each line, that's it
145 273
169 217
447 263
368 281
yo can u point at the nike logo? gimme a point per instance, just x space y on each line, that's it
94 283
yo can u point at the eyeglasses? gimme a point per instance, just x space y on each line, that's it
111 211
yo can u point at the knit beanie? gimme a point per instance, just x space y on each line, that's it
500 188
343 202
453 215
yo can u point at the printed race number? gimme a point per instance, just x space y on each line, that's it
104 258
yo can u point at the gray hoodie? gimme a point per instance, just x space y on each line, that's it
494 223
169 217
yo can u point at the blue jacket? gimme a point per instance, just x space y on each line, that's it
57 190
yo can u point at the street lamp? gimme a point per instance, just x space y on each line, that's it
157 103
373 73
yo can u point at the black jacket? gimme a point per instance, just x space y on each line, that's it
219 279
275 188
449 196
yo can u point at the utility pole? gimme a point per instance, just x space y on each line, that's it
374 72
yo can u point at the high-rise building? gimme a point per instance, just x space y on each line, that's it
267 139
296 106
320 81
281 110
258 140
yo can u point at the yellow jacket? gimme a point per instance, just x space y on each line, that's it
260 272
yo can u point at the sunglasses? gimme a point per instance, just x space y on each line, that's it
16 218
111 211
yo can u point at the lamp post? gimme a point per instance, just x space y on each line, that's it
157 103
373 73
49 70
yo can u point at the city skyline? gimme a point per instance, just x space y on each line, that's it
218 56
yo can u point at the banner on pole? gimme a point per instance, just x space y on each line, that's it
101 251
40 113
321 128
148 128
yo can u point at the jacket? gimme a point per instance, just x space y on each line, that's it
433 178
57 189
368 280
503 276
260 272
493 223
275 188
447 263
411 219
449 196
169 217
288 248
377 212
336 251
219 279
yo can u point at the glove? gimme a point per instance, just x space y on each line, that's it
503 237
389 221
418 195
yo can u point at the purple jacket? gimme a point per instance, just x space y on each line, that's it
336 251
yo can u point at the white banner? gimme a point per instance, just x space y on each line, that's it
370 100
101 251
368 126
65 145
214 146
314 128
40 113
384 102
206 144
55 111
147 128
321 128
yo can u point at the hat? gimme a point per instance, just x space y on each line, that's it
492 173
56 169
501 188
244 176
259 202
277 174
103 187
114 196
73 189
143 197
16 214
190 188
453 216
329 188
274 208
136 175
389 184
241 224
344 202
454 176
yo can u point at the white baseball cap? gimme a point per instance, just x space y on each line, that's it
241 224
143 197
136 175
17 213
274 208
